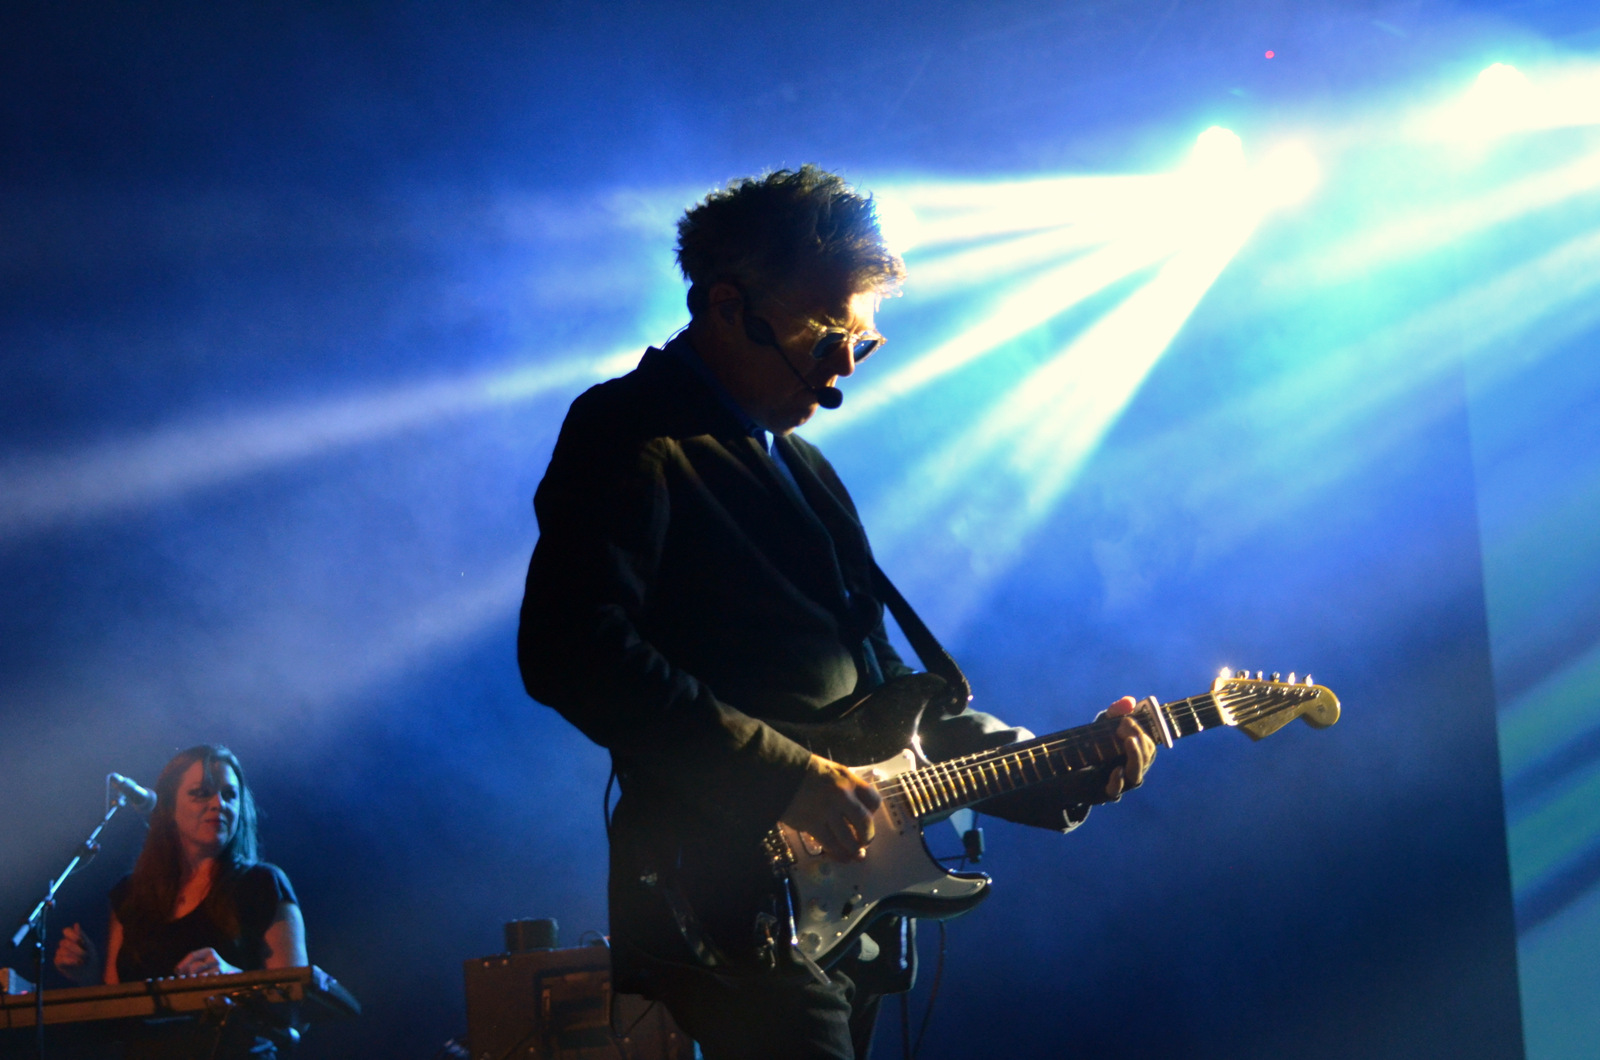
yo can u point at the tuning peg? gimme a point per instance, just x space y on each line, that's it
1309 681
1292 679
1276 676
1260 676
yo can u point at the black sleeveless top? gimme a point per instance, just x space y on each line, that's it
152 951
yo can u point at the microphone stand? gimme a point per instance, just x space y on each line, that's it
36 920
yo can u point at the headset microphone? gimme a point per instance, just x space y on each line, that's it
759 332
829 397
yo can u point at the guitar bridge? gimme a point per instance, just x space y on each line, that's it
780 859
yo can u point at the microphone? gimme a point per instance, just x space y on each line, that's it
131 792
759 332
829 397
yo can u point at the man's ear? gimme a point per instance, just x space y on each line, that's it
726 300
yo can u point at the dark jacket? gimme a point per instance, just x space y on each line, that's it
679 594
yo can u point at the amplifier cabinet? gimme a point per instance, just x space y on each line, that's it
558 1005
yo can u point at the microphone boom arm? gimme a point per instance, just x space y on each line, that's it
118 795
82 857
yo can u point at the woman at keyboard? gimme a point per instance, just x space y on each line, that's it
197 902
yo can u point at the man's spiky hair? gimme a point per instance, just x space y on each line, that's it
790 227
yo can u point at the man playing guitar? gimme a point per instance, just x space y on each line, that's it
702 586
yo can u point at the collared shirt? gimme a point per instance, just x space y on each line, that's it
681 348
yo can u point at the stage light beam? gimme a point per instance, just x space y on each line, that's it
1029 306
132 473
1504 100
898 223
1099 206
995 484
1217 160
1215 199
1430 228
1288 174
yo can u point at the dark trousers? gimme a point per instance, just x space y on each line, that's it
761 1018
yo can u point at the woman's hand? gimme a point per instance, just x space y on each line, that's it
77 957
204 962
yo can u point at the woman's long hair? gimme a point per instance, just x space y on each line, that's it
158 875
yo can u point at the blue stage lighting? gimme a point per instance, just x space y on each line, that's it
1218 155
1161 240
1501 80
128 474
898 223
1287 174
1501 100
1505 100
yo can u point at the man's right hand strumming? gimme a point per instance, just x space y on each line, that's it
834 806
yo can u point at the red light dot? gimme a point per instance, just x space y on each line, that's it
1271 53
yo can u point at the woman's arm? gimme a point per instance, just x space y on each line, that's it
113 947
286 939
283 945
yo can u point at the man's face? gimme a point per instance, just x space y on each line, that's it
767 384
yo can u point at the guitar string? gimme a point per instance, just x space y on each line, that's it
935 782
934 785
931 788
978 776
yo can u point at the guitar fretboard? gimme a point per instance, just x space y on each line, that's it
959 782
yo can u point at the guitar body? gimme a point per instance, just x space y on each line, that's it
748 903
776 902
835 901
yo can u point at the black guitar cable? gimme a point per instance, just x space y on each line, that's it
905 1025
933 992
909 1049
605 802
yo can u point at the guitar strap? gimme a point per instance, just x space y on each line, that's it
839 521
931 653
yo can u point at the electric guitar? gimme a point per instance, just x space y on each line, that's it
793 907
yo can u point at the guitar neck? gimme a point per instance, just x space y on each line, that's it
1256 706
960 782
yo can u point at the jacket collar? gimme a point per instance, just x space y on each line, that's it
682 350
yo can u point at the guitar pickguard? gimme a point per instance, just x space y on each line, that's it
835 901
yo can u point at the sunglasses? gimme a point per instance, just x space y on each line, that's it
861 346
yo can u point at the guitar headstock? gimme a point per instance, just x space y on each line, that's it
1262 705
